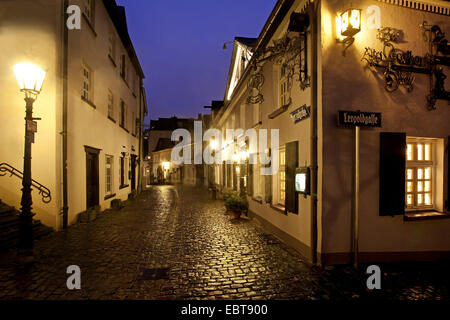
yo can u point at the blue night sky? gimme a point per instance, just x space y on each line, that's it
179 44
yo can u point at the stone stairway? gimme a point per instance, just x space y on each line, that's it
9 227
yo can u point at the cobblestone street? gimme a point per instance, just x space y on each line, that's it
199 253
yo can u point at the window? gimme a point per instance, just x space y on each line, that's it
420 172
123 114
87 83
257 181
112 46
110 105
109 175
283 87
87 9
280 176
123 67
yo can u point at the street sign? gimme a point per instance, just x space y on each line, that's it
301 113
359 119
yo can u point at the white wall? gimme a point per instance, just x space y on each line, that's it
29 32
349 85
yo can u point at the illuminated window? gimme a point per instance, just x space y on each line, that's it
110 104
257 180
420 171
109 174
284 100
280 180
87 83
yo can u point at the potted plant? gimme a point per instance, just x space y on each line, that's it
236 203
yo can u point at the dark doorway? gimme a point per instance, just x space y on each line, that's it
92 185
133 172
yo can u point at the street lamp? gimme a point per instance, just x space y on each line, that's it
30 79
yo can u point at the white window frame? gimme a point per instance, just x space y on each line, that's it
86 89
257 181
283 87
123 114
109 171
412 170
87 9
279 198
110 104
112 45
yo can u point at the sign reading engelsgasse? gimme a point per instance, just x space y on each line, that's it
359 119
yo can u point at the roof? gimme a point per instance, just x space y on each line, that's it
249 42
170 124
163 144
119 19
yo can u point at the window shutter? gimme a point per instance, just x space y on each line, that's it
291 202
392 173
250 180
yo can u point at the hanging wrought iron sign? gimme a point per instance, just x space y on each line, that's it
289 52
399 67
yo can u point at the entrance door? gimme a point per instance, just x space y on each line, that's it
92 185
133 172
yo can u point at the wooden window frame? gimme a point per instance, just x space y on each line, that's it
280 183
111 171
416 164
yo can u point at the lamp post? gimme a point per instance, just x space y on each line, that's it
30 79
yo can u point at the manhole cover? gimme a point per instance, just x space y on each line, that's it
268 239
155 274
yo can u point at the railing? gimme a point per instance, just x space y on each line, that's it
43 191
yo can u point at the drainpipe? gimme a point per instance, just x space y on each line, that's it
141 127
65 209
314 131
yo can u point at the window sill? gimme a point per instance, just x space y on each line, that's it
91 27
425 215
124 80
257 199
89 102
112 61
279 111
124 128
110 196
278 208
111 119
124 186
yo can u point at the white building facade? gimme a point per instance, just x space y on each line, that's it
295 78
88 147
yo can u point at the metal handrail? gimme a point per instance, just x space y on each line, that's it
44 192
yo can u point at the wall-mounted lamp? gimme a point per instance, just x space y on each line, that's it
348 24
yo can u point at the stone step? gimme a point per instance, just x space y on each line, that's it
9 227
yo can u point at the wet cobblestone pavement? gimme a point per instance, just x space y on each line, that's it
175 243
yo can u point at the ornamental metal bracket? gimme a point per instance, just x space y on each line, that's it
288 52
399 67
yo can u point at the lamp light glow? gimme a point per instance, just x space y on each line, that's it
29 77
166 165
214 144
349 23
